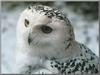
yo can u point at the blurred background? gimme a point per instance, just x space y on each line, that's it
83 17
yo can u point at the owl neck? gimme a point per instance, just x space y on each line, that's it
72 51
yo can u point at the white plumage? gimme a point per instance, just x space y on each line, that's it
46 44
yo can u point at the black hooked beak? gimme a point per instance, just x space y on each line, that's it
29 39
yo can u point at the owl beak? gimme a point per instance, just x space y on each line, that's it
29 39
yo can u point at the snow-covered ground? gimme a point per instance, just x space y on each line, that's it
86 32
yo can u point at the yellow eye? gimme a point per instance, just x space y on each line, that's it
26 22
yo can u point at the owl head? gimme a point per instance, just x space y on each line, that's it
44 27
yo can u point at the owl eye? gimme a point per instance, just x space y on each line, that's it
46 29
26 22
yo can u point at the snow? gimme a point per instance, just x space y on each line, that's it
8 34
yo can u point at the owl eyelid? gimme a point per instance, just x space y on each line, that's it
26 22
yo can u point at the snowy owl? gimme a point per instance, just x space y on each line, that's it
46 44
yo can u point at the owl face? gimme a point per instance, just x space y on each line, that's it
42 30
